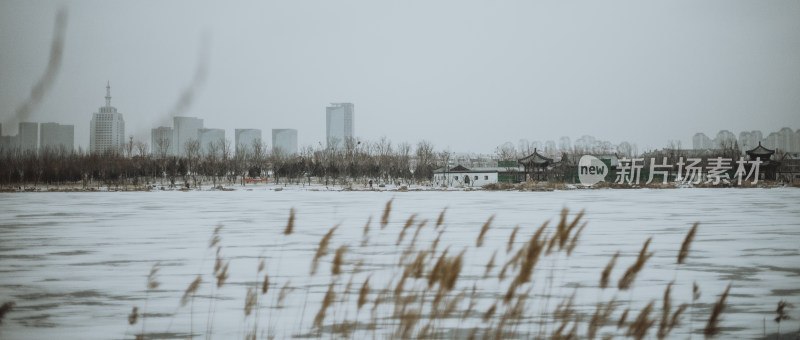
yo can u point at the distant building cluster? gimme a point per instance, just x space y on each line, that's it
33 136
187 134
784 140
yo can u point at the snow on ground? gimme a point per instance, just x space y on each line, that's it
76 263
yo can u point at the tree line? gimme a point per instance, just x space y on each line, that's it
346 162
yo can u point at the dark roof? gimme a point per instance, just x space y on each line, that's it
760 151
536 159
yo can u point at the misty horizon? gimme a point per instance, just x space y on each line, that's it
466 77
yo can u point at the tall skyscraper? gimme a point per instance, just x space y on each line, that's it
211 140
339 123
285 140
245 139
161 143
185 129
55 136
107 129
28 137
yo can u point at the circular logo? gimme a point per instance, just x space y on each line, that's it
591 170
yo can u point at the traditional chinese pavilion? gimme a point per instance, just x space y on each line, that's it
769 167
536 165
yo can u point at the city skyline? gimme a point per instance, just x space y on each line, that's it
506 72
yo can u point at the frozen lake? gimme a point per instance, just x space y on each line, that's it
76 263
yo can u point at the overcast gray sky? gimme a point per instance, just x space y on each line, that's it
468 75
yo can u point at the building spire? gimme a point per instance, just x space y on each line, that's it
108 93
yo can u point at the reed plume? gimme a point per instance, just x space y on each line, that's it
606 274
265 284
490 264
409 222
222 275
712 326
338 259
363 293
132 317
189 293
490 312
290 224
440 219
152 282
365 239
416 233
250 301
684 252
601 315
574 240
627 279
322 249
639 327
330 297
664 327
215 238
622 318
511 239
386 212
484 229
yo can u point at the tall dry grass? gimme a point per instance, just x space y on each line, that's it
435 293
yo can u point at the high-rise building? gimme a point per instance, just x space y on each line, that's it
211 140
246 139
28 137
107 129
701 141
55 136
285 140
339 123
185 130
161 143
785 140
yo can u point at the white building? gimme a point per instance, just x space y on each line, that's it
461 176
161 143
246 138
211 140
339 123
107 129
184 130
285 140
55 136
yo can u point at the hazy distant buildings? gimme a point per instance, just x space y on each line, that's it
161 143
701 141
339 123
724 140
246 138
107 129
211 141
749 140
184 129
55 136
285 140
28 137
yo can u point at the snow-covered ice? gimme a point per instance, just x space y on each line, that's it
76 263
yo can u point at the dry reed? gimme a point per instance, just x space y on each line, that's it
338 259
511 239
627 279
322 249
712 326
386 212
484 229
684 252
191 290
606 274
289 225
